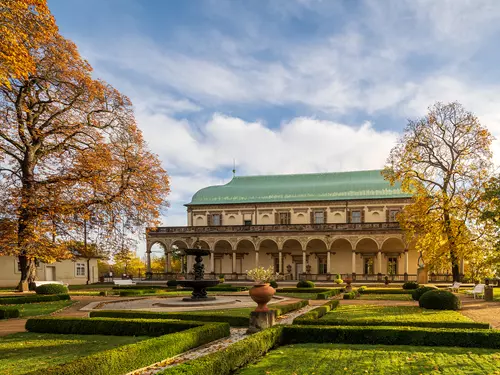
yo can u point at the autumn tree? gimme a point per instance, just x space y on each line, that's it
24 26
127 262
492 212
444 160
70 149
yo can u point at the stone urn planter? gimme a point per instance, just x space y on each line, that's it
262 294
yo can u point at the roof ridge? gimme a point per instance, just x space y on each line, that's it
307 173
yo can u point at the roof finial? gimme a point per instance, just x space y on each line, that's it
234 168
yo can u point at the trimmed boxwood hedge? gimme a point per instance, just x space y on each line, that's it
225 288
417 293
351 295
51 289
480 338
235 356
32 298
385 291
140 287
305 284
304 290
317 313
108 326
410 285
9 313
439 300
234 321
130 357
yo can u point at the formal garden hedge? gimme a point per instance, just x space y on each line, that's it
52 289
140 287
235 356
32 298
419 336
439 300
130 357
384 291
305 284
317 313
227 288
351 295
321 293
233 320
417 293
8 313
410 285
108 326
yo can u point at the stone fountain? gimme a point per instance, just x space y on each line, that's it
199 284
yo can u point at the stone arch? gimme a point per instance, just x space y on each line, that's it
180 244
366 244
265 219
340 244
157 242
244 245
199 221
202 244
268 244
393 244
223 245
292 244
337 218
231 219
316 244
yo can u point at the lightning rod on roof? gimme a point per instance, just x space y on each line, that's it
234 167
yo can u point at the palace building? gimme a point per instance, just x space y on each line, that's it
307 226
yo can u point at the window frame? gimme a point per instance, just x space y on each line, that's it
284 216
219 220
318 212
392 215
322 266
360 216
78 267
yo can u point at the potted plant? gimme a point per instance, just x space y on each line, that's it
338 279
221 278
262 292
308 268
348 282
386 280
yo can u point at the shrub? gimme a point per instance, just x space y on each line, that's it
7 313
108 326
133 292
410 285
52 289
33 298
328 294
274 284
339 281
305 290
417 293
362 289
481 338
227 288
235 356
140 287
130 357
283 309
386 291
351 295
305 284
172 283
233 320
439 300
317 313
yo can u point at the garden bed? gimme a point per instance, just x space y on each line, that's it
386 297
326 359
396 316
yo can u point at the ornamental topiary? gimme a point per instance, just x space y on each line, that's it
439 300
274 284
417 293
410 285
172 283
51 289
305 284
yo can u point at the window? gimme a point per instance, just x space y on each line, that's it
284 218
322 266
80 269
355 216
215 219
276 264
248 222
392 266
393 215
319 217
368 266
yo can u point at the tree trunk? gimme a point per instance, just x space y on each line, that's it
28 273
88 271
452 247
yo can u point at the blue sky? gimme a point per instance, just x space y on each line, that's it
285 86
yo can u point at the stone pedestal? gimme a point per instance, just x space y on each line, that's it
422 275
260 320
488 293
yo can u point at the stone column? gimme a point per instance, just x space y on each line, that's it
280 262
353 262
234 262
148 260
256 259
167 262
303 261
406 265
328 262
212 262
379 261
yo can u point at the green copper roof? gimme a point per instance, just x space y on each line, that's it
300 187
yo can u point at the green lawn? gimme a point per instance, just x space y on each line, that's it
25 352
326 359
345 314
42 308
391 297
299 295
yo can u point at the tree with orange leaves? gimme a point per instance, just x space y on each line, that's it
24 26
70 150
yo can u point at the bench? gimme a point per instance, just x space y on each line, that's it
124 282
455 286
38 283
477 291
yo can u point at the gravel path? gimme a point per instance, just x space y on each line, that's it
236 334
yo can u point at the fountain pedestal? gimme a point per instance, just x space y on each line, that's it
199 285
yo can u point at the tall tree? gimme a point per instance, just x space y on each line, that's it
70 147
444 160
24 26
